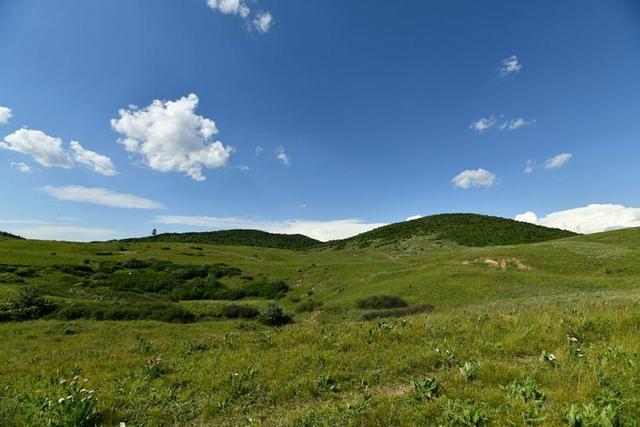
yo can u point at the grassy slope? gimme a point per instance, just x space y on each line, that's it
584 286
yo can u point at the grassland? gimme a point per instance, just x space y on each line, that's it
540 334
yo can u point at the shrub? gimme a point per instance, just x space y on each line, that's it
75 270
399 312
29 304
268 289
235 311
26 272
381 301
308 306
272 315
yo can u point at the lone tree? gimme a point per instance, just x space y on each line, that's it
154 232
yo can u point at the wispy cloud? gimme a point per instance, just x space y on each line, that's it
66 233
513 124
483 124
557 161
320 230
474 178
592 218
531 165
100 196
282 156
21 167
510 65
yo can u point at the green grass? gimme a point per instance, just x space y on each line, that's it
540 333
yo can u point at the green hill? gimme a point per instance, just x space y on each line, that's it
463 229
9 236
237 238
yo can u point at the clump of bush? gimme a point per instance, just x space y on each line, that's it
147 311
308 306
272 315
268 289
381 301
399 312
29 304
236 311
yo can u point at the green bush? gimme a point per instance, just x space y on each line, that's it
398 312
381 301
268 289
272 315
308 306
234 311
29 304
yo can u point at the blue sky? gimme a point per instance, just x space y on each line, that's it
330 117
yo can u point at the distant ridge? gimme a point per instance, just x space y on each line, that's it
464 229
9 236
237 238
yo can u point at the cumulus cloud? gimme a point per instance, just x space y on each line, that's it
592 218
99 163
170 136
5 115
282 156
483 124
100 196
557 161
44 149
510 65
50 152
474 178
263 22
320 230
21 167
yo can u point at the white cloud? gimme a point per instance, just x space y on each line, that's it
510 65
592 218
557 161
320 230
243 167
50 152
474 178
259 150
170 136
66 233
21 167
44 149
411 218
529 168
230 7
302 206
5 115
282 156
99 163
528 216
100 196
263 22
483 124
514 124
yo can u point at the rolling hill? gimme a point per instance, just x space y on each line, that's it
462 229
255 238
9 236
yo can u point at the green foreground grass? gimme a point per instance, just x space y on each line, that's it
540 334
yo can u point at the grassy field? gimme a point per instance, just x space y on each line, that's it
535 334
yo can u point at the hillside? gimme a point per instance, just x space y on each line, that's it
503 335
236 238
463 229
9 236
